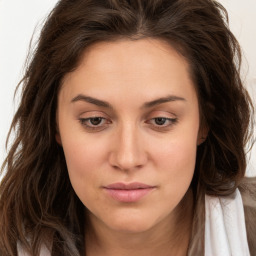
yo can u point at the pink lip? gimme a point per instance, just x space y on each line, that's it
128 193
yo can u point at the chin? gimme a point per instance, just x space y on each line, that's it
131 223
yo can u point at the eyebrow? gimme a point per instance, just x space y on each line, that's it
162 100
97 102
105 104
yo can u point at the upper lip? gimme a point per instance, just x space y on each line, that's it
128 186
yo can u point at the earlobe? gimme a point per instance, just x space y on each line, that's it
200 140
202 135
57 132
58 138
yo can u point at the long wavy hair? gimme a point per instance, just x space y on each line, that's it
37 202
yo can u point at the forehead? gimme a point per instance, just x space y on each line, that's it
131 55
148 67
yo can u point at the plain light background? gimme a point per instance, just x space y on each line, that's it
19 18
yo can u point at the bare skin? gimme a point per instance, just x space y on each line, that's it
165 240
129 115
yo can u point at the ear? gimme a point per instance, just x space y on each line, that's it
58 138
202 134
57 135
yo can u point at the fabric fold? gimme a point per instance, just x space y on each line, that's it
225 231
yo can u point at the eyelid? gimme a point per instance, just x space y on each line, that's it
171 120
94 128
161 113
85 117
92 113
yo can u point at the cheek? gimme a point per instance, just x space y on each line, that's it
183 155
82 153
177 152
177 164
175 159
83 163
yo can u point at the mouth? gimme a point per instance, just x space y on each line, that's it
128 193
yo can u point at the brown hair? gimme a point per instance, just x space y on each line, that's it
38 204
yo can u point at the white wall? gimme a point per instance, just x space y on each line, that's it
242 16
18 19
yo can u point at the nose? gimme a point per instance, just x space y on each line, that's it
128 151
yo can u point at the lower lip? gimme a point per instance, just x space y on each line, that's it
129 195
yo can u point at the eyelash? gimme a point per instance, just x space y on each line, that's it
84 122
91 127
171 122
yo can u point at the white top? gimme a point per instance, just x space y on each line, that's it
44 251
225 232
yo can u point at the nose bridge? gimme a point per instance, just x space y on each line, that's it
128 151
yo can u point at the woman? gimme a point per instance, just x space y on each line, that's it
130 135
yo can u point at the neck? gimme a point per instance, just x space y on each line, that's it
170 237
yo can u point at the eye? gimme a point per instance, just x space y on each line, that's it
162 122
94 123
95 120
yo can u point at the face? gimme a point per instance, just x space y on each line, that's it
128 122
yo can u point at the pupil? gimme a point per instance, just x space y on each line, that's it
95 120
160 120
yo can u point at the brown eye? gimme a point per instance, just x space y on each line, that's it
162 123
160 120
95 120
95 123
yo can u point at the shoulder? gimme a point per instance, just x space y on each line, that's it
248 191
